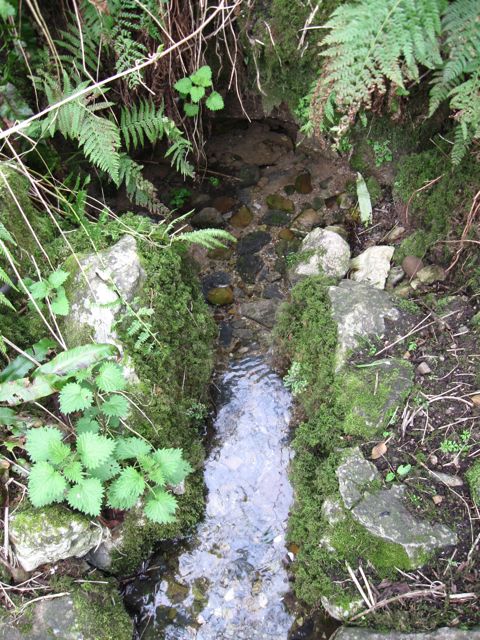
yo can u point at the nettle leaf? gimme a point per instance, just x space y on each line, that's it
86 496
39 440
87 425
94 449
110 377
39 290
197 93
57 278
131 448
160 507
173 466
60 305
75 397
183 86
125 491
73 471
202 77
84 374
107 470
153 470
191 110
58 452
45 484
214 101
115 407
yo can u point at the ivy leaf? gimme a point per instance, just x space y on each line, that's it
197 93
115 407
126 489
160 507
215 101
191 110
110 377
107 470
403 469
131 448
57 278
202 77
87 425
60 305
173 466
74 397
39 440
45 484
183 86
94 449
73 471
86 496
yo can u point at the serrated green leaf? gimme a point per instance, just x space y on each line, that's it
131 448
39 440
107 470
202 77
45 485
77 358
115 407
73 471
110 377
197 93
57 278
94 449
60 305
58 452
39 290
152 469
160 507
172 464
191 110
86 496
75 397
183 86
87 425
214 101
125 491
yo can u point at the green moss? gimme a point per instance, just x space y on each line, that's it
31 520
374 189
473 477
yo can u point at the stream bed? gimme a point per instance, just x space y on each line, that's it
230 580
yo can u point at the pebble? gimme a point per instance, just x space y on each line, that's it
394 234
411 265
476 399
423 369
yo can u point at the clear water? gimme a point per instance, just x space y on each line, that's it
230 582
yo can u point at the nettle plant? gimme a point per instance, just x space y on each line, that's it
193 89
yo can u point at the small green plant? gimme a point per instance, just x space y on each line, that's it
295 380
179 196
197 412
381 152
412 346
458 447
214 181
136 324
402 471
50 291
192 90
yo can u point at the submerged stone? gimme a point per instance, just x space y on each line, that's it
242 218
303 182
224 203
248 266
277 201
276 218
261 311
286 234
208 217
308 219
220 296
253 242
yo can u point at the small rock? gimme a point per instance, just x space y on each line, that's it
423 369
242 218
303 182
286 234
395 275
224 203
216 279
308 220
289 189
318 203
403 291
331 255
208 217
261 311
345 201
248 266
430 274
437 499
411 265
253 242
199 199
220 296
476 400
372 266
394 234
277 201
276 218
446 478
249 175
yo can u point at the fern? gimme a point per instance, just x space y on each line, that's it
372 43
208 238
5 238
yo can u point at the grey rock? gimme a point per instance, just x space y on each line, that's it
351 633
384 514
360 311
112 276
207 217
423 369
332 511
261 311
341 612
49 534
338 228
446 478
372 265
307 220
355 474
101 556
328 253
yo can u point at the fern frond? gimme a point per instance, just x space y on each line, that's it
140 190
100 140
208 238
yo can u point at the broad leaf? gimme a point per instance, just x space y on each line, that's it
125 491
86 496
39 290
174 467
73 471
160 507
39 440
58 452
107 470
94 449
78 358
19 367
131 448
60 305
115 407
197 93
87 425
57 278
191 110
364 202
110 377
74 397
15 392
202 77
45 485
8 417
214 101
183 86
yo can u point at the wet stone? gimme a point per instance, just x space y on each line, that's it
225 334
347 633
253 242
277 201
249 175
289 189
286 234
276 218
242 218
248 266
307 220
208 217
217 279
303 182
224 203
261 311
220 296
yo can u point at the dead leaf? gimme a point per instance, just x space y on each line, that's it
379 450
437 499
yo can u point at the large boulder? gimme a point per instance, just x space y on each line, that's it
49 534
325 252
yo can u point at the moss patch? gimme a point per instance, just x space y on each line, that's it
473 477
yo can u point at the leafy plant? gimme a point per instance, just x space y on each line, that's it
401 472
295 379
381 152
214 181
458 447
192 90
179 196
51 291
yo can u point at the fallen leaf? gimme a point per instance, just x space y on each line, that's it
379 450
437 499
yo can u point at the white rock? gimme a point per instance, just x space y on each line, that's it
331 255
372 266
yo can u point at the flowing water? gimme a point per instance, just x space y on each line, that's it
230 582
